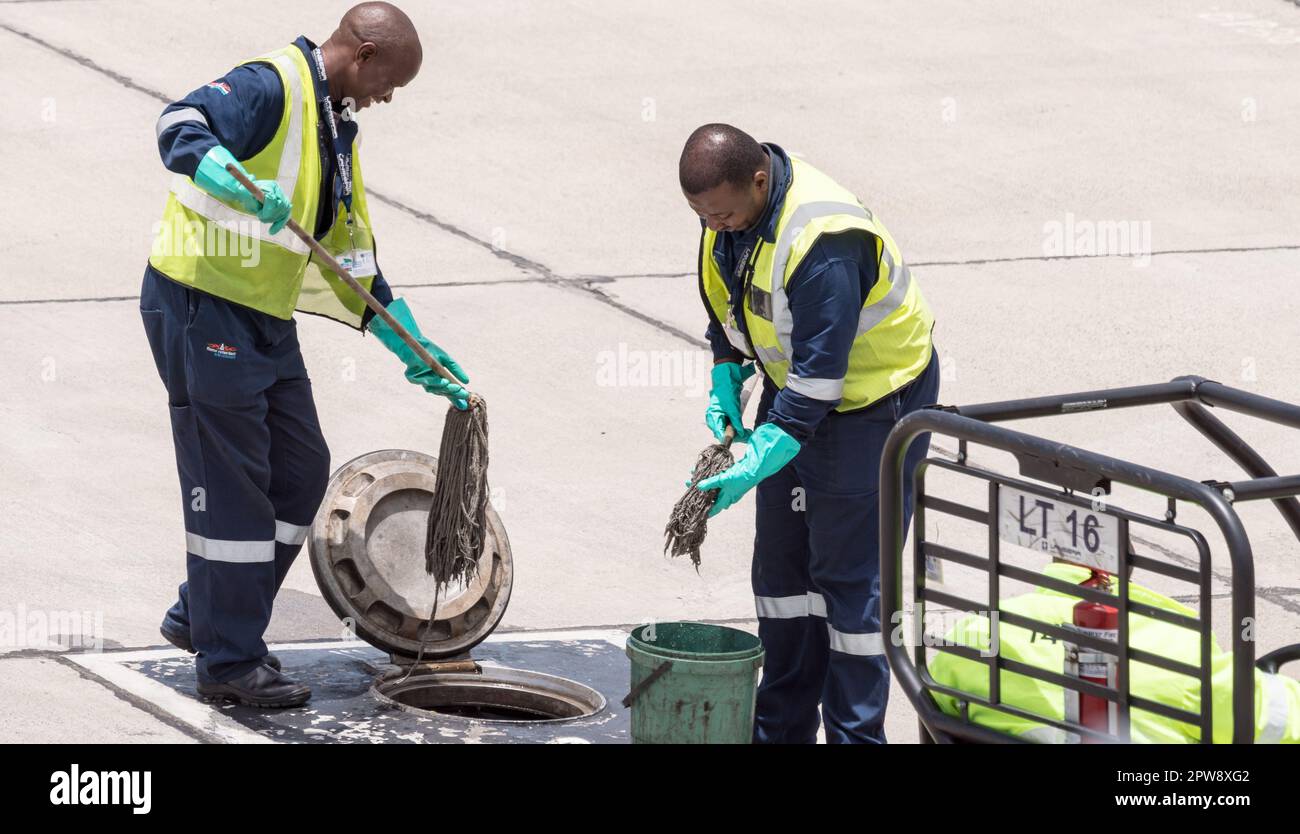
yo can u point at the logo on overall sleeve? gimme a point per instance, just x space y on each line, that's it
221 350
220 85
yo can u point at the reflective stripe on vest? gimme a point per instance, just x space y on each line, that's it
223 251
196 199
1275 713
882 359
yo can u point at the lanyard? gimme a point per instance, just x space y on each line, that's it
743 275
342 152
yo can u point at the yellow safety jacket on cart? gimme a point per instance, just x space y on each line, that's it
1277 698
284 275
893 343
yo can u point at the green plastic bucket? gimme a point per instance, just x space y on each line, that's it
693 683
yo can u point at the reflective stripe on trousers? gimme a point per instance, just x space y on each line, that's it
817 529
813 604
219 550
252 463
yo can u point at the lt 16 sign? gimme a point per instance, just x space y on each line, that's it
1066 531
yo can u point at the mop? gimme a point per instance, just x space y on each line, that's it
457 520
688 523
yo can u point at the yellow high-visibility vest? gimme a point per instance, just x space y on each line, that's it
219 249
893 344
1277 697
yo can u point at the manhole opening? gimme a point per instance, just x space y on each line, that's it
494 695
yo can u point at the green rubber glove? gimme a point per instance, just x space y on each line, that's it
724 399
213 178
416 371
276 208
770 448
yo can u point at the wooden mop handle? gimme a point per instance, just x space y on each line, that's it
371 302
729 433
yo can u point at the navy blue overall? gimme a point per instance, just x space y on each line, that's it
816 569
252 461
253 464
816 574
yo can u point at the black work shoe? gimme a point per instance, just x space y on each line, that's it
181 640
263 687
178 638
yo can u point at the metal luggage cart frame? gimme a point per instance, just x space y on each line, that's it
1073 470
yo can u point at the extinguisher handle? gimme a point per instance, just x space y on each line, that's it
1277 658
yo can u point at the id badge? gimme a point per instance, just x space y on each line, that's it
360 263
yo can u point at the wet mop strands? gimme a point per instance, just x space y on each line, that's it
458 518
689 521
458 515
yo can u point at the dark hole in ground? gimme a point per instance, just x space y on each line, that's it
488 703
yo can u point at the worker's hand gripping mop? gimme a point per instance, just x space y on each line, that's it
689 521
457 520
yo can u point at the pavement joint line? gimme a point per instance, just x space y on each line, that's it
618 276
89 64
140 703
1188 599
196 718
18 302
610 278
543 273
1044 258
537 268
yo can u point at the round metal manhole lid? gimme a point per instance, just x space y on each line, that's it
367 551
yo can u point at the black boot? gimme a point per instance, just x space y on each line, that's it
181 640
263 687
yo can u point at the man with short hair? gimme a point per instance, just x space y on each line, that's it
798 277
218 301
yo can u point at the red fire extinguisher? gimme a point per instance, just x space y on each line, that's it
1095 619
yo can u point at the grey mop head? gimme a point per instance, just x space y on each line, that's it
458 519
690 517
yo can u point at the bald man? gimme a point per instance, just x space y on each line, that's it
223 282
802 282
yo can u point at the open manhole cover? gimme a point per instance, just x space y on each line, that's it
493 694
367 552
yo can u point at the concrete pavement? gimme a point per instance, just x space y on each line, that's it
525 199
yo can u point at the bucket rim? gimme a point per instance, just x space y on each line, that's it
634 641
